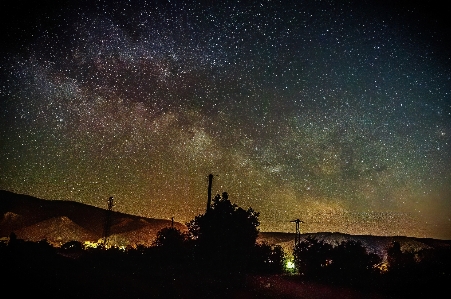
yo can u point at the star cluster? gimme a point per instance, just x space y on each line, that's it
338 114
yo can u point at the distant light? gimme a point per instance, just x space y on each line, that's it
89 244
289 265
383 267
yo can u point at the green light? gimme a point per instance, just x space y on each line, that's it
289 265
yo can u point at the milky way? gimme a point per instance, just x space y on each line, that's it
337 114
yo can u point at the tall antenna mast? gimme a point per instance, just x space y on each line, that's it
107 226
297 237
210 183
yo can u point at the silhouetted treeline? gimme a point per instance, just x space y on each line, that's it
210 259
402 273
223 241
172 267
347 261
421 273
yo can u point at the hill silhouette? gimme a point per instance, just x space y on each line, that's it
374 244
421 265
59 221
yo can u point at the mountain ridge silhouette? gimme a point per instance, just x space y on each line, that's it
26 215
59 221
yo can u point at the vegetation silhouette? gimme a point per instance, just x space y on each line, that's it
418 273
267 259
408 273
399 262
346 263
170 238
213 260
311 257
351 262
172 246
224 237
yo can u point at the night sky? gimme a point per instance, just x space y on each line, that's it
337 114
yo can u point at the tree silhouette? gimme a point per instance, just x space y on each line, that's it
312 257
347 262
169 238
171 247
351 262
225 235
399 262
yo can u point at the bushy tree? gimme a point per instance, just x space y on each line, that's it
435 261
401 264
171 247
351 262
348 262
312 257
399 261
170 237
225 235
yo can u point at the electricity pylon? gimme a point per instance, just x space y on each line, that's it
297 237
107 226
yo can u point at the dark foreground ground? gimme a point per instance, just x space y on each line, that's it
37 269
75 283
66 277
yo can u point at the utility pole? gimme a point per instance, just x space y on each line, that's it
297 237
210 183
107 225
